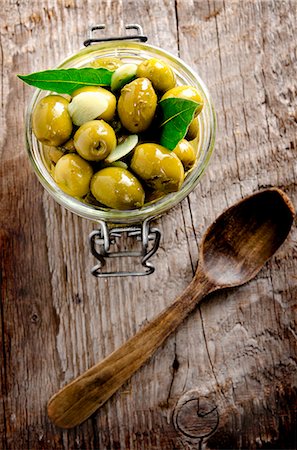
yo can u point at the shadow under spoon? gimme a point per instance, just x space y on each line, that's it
233 250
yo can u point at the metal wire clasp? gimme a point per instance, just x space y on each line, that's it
102 239
139 36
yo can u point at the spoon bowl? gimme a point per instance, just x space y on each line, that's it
234 248
237 245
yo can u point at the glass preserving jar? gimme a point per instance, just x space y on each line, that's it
113 222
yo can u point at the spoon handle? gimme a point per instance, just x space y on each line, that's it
79 399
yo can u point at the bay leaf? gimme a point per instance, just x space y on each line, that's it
66 81
176 116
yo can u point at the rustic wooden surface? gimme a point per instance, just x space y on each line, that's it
234 360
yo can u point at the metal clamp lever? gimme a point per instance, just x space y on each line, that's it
134 26
102 239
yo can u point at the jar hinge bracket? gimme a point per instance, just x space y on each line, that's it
139 36
102 239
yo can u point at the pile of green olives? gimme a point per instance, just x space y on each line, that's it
101 144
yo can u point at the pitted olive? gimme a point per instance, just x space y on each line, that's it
109 112
73 175
186 92
193 130
68 147
94 140
137 105
158 167
158 72
186 153
54 154
117 188
51 122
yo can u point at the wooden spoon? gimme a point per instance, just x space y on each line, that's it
233 250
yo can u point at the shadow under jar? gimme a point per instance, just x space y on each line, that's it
136 223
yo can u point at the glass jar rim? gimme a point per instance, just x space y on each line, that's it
149 210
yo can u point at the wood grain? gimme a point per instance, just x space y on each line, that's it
238 351
233 250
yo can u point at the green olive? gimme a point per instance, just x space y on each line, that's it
107 62
109 112
51 156
158 167
159 73
193 130
117 188
94 140
186 153
186 92
68 147
51 122
55 153
152 196
73 175
137 105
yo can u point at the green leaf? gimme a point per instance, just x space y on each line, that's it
65 81
176 116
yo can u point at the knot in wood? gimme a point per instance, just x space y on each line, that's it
35 318
195 416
